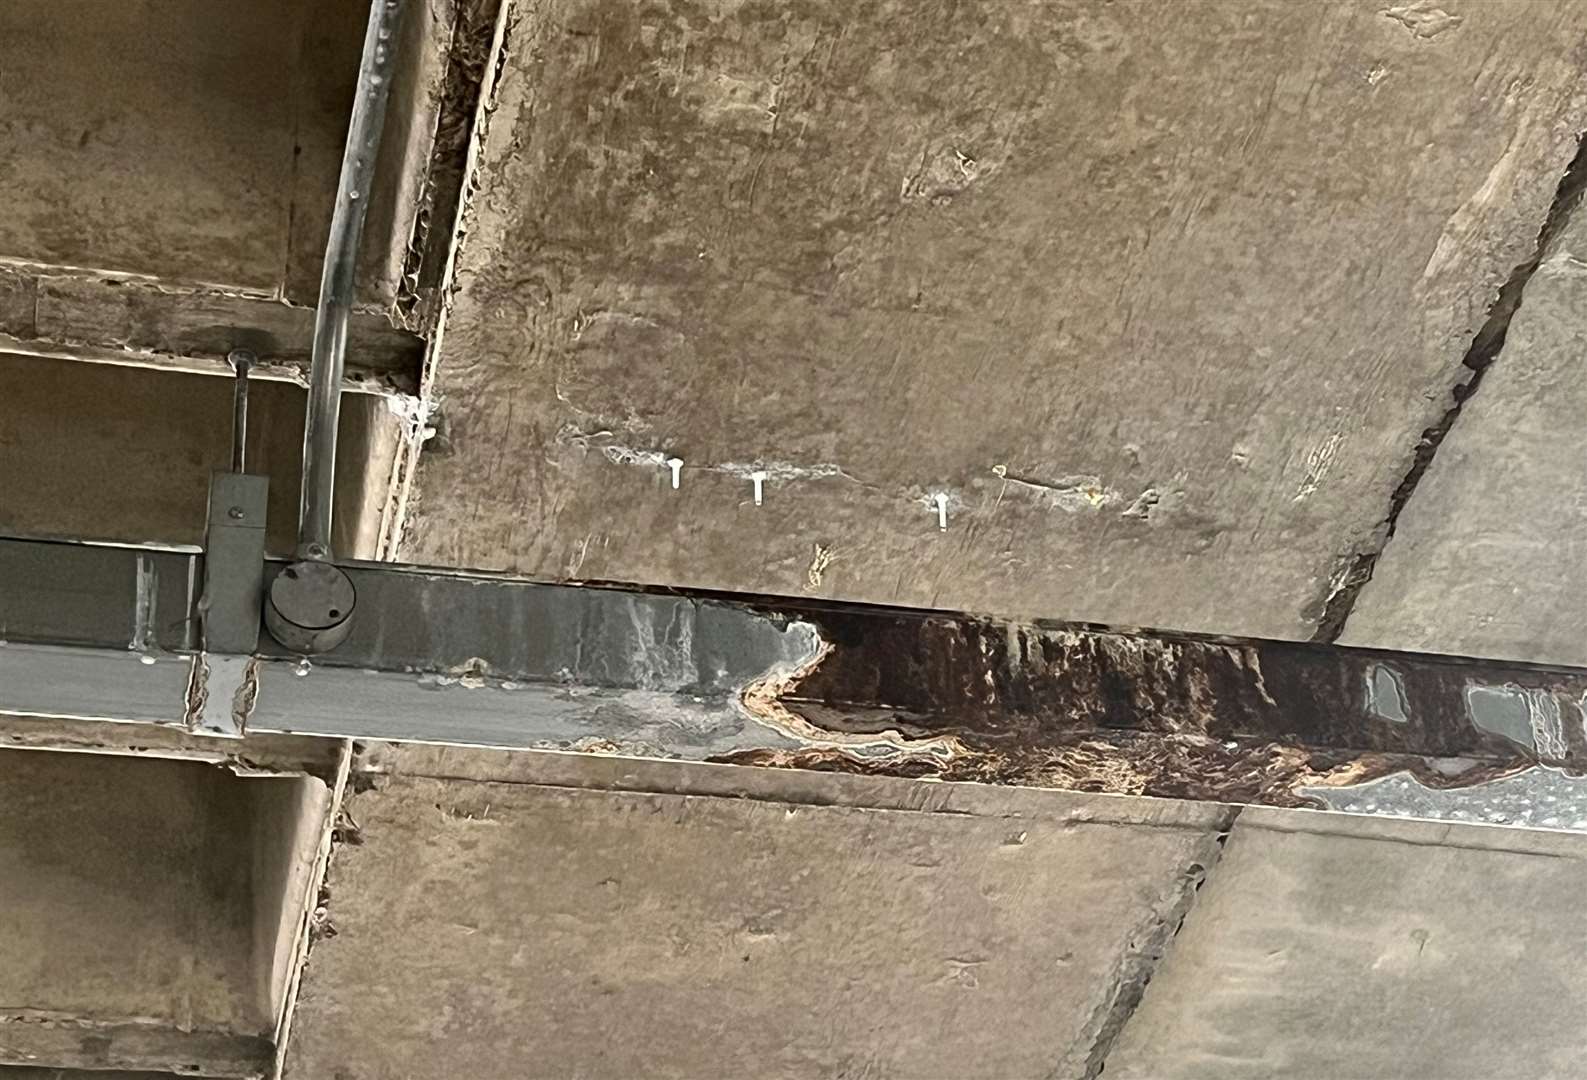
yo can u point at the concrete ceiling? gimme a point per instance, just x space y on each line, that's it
851 928
1255 318
1163 306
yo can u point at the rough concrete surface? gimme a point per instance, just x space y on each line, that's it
1160 304
140 901
260 753
188 105
94 1048
553 932
113 320
223 128
799 787
1353 949
116 453
1489 557
289 821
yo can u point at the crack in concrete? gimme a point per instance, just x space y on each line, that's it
1480 356
1146 953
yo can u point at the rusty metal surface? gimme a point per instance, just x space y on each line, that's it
1183 716
481 660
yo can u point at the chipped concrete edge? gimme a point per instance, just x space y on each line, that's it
394 520
792 787
309 903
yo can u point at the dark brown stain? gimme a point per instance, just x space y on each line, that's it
1153 714
1265 774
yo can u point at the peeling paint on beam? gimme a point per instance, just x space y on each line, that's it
1179 716
481 660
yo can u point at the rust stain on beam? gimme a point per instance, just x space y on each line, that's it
1154 714
481 660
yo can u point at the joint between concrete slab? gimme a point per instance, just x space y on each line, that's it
1148 950
406 466
1483 351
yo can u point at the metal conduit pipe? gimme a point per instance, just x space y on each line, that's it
242 361
336 279
309 605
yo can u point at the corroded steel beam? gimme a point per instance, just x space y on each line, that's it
1183 716
471 659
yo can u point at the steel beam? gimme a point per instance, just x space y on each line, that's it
449 657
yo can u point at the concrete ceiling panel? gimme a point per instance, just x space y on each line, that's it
1327 947
150 138
505 929
1489 557
1160 304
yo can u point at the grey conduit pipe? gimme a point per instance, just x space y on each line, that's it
336 279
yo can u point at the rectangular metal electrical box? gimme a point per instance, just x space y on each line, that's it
234 548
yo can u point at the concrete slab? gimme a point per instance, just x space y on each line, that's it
175 141
1489 556
191 110
85 907
117 453
1340 947
1160 305
504 929
148 910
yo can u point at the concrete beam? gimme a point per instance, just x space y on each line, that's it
143 323
262 754
30 1072
92 1049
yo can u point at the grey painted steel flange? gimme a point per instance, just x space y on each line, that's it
309 608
